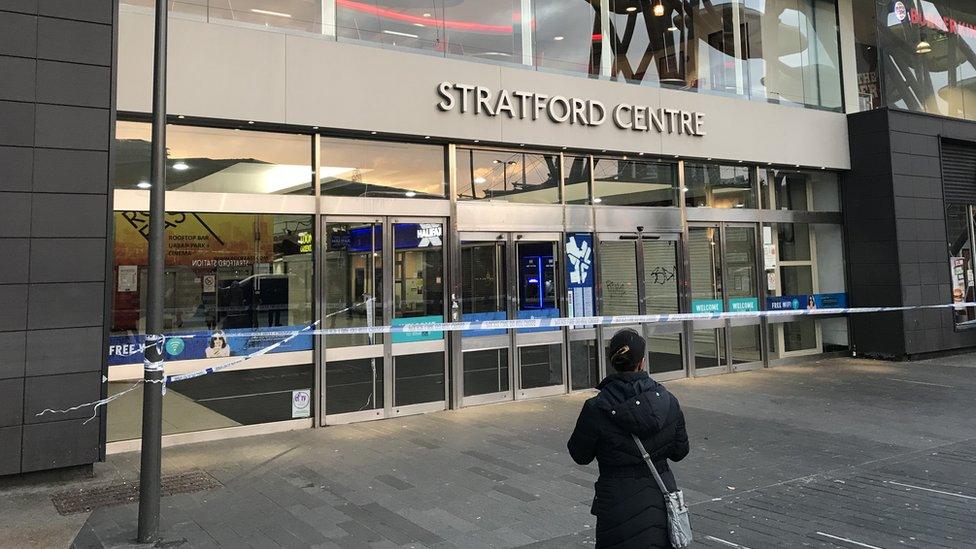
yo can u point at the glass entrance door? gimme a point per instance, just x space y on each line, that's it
381 272
724 278
510 276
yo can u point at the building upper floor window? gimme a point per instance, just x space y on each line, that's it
381 169
506 176
781 51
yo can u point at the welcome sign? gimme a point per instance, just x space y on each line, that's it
468 99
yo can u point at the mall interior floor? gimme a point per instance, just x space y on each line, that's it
833 453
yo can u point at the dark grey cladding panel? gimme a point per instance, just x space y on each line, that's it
66 171
13 307
17 82
18 34
50 259
16 123
96 11
59 444
13 347
24 6
72 350
10 450
14 253
72 84
59 392
11 401
15 168
15 214
65 305
63 127
74 41
68 216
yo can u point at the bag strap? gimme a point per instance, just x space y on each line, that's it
650 465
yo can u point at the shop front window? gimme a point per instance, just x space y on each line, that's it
800 190
215 160
719 186
504 176
381 169
229 278
577 179
623 182
959 233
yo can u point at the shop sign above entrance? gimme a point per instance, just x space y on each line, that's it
482 101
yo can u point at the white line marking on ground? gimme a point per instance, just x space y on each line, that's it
964 496
838 538
729 543
922 382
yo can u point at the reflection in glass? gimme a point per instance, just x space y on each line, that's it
483 285
634 182
537 282
505 176
719 186
800 190
490 30
418 283
354 281
485 372
215 160
664 353
794 241
567 36
704 250
577 183
412 26
541 365
709 347
359 167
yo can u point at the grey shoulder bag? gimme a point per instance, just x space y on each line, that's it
679 527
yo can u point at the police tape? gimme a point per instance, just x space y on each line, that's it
486 325
573 322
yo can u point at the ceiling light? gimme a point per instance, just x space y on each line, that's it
419 25
480 180
404 34
144 185
496 161
632 9
673 28
274 13
497 54
558 38
410 194
315 127
477 141
250 121
181 117
372 133
426 15
181 166
597 200
923 47
426 137
659 9
640 154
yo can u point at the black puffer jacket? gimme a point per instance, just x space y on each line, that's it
628 505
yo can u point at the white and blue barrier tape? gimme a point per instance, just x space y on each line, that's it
484 325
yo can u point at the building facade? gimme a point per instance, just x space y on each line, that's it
365 164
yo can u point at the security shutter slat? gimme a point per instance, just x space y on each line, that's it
959 172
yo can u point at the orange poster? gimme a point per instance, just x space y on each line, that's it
198 240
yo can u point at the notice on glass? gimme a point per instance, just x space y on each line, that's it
301 403
128 278
957 265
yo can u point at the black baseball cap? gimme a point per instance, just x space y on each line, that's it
626 350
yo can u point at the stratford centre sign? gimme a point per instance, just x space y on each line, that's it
468 99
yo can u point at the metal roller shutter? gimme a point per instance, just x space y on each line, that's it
959 171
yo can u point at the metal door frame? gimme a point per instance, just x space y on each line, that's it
723 367
389 409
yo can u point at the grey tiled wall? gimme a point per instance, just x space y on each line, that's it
56 114
895 217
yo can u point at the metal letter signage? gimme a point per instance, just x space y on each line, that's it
567 110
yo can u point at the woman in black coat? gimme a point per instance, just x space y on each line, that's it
628 505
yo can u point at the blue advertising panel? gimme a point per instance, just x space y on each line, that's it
124 349
579 275
808 301
707 306
409 337
481 317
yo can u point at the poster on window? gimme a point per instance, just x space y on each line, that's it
579 275
957 266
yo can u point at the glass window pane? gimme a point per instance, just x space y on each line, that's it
541 365
634 182
618 278
800 335
414 26
719 186
353 281
418 281
746 345
664 353
577 179
300 15
704 251
216 160
419 379
567 36
485 372
489 30
353 385
383 169
225 274
483 281
505 176
634 41
794 241
583 361
797 280
537 282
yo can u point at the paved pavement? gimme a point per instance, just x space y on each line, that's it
838 453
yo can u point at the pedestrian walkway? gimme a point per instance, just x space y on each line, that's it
838 453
